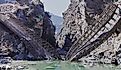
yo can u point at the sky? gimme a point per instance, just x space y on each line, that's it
56 6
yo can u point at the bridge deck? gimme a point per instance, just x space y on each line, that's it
98 24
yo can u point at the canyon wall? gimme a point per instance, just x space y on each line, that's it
77 20
35 19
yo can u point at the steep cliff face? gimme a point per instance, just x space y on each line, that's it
77 20
35 19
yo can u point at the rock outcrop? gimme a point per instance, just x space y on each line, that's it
77 20
36 20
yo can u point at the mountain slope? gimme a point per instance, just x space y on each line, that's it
57 21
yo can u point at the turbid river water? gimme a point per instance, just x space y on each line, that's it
59 65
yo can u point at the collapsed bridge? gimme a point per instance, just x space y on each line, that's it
106 23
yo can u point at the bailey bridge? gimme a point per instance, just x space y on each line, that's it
105 24
100 30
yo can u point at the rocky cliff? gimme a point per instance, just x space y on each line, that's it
34 19
77 20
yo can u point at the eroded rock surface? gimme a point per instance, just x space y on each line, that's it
36 20
77 20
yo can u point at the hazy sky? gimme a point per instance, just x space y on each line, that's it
56 6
